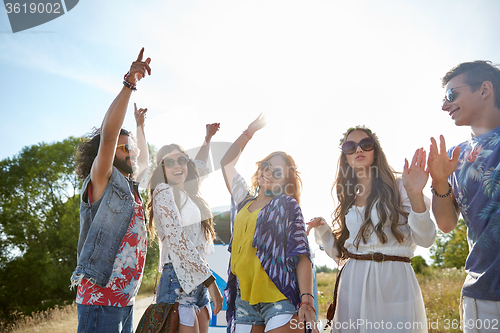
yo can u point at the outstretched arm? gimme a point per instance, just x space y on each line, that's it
143 158
110 129
231 157
441 167
205 148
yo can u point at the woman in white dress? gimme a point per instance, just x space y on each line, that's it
377 225
185 231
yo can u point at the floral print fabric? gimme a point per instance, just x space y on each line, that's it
476 186
128 268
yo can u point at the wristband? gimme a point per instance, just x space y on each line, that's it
307 303
441 195
245 132
306 294
128 84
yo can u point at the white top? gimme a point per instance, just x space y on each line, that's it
388 291
182 238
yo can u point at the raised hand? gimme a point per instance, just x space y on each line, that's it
440 165
139 68
140 115
315 222
257 124
415 175
212 129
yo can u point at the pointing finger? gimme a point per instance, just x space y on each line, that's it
139 58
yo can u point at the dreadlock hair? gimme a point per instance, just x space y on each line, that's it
191 187
87 151
384 196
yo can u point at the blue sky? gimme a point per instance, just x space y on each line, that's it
315 68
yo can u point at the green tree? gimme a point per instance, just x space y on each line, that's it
39 225
451 250
418 263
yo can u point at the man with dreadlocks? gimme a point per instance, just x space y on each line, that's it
112 242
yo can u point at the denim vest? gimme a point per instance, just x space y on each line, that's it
103 225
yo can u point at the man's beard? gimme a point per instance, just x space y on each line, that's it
123 166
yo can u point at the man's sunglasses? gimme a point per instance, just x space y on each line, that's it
169 163
450 97
127 149
350 147
277 173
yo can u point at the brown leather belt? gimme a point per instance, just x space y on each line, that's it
377 257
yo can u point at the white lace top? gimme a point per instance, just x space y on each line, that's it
182 239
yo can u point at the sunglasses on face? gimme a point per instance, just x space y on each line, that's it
127 149
450 97
350 147
277 173
169 163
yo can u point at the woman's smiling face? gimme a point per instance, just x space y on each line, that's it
177 172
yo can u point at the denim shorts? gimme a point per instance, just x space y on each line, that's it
105 319
260 313
169 287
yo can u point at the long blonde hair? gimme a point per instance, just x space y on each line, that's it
293 186
384 195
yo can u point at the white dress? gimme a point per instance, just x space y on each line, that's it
182 238
380 296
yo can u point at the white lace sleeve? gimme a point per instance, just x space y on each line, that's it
189 267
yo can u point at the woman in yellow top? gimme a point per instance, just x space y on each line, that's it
269 286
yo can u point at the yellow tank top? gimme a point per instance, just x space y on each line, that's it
255 284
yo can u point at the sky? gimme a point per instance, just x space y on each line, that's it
315 68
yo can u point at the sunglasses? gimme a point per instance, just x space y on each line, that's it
450 97
127 149
277 173
350 147
169 163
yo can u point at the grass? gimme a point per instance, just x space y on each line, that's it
440 290
58 320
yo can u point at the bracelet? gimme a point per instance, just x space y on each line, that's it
442 195
307 304
306 294
128 84
245 132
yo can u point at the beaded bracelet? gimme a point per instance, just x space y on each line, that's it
128 84
442 195
306 294
308 304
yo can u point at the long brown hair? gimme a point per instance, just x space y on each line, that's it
384 195
191 186
293 186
